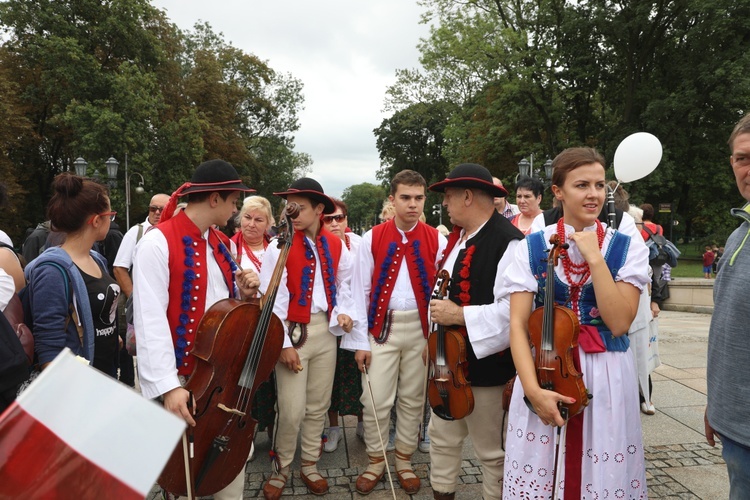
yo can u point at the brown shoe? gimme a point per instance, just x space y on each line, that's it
274 487
316 483
409 481
367 481
443 496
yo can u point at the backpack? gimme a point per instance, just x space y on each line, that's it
661 250
20 316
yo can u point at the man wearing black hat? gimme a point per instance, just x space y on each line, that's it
316 309
184 255
480 238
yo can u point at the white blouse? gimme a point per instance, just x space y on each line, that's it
518 276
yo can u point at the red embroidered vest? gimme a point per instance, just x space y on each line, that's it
388 252
300 267
188 281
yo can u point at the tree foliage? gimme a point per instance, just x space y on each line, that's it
523 77
113 78
365 202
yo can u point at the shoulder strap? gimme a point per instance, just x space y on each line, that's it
66 278
140 232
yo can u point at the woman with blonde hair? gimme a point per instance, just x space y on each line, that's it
254 222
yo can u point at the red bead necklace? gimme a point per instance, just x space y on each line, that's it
570 268
251 255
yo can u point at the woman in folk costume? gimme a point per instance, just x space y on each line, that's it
347 384
316 309
600 277
254 221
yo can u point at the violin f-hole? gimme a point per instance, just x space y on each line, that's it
217 389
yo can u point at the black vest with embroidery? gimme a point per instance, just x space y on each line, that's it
490 244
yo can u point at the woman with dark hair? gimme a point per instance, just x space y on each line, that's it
528 197
347 383
600 276
73 299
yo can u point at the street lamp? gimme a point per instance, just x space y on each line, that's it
437 209
526 168
139 190
111 166
80 165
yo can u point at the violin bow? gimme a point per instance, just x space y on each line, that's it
560 439
380 436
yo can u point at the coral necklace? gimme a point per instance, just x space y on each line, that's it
570 268
251 255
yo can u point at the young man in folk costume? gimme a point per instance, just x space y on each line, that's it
180 269
395 266
314 302
479 239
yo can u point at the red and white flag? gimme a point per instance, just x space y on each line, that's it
76 433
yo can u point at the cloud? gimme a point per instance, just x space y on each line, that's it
345 53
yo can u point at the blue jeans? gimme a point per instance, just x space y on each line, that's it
737 457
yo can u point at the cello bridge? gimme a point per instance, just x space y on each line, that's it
442 379
222 406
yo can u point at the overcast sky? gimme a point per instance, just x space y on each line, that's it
344 52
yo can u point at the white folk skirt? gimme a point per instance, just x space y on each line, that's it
612 464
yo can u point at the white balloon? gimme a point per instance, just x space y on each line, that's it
637 156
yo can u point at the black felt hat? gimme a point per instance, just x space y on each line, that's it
312 189
472 176
215 175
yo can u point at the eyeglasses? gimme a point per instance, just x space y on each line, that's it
330 218
154 208
110 215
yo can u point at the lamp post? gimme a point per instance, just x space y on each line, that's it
80 165
437 209
111 166
526 168
139 189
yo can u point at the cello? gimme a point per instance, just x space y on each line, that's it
449 390
236 349
553 331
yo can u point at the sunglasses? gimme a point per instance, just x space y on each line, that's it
330 218
154 208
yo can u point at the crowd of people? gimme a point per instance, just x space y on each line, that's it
365 328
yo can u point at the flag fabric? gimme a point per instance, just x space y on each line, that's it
77 433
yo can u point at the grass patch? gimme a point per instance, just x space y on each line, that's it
688 269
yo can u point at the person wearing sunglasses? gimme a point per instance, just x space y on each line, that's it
69 286
124 261
347 387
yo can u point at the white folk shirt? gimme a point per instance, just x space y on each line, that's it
344 302
402 297
157 368
488 326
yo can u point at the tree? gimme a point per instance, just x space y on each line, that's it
113 78
413 139
528 76
365 201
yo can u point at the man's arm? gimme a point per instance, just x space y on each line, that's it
122 276
156 359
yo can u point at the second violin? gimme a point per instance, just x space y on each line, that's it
449 390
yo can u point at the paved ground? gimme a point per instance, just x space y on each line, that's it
680 465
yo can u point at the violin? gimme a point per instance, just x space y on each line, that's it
553 331
236 349
448 388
